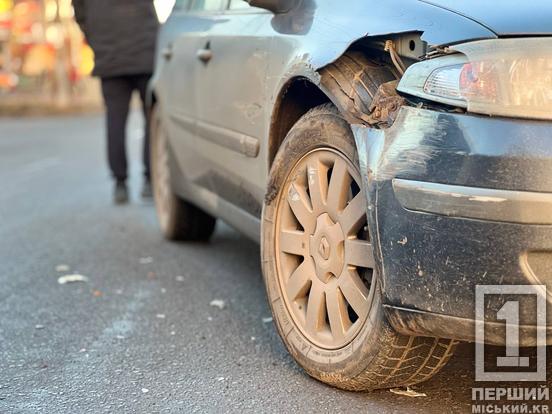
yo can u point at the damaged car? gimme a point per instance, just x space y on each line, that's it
388 156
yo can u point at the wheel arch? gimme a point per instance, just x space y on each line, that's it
297 96
334 83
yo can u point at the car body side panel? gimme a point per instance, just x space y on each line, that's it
174 85
231 108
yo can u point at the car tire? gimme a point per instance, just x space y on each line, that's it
178 219
298 265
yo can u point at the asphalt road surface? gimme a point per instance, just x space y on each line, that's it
141 335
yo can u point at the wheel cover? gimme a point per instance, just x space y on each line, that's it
324 257
161 176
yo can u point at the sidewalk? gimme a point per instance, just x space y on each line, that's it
87 99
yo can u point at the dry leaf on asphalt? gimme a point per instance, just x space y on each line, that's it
72 279
408 392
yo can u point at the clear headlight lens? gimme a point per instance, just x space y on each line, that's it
445 82
508 77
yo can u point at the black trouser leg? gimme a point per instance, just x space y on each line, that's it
117 92
141 84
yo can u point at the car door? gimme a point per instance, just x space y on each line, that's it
182 36
231 113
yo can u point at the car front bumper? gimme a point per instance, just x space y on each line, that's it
457 201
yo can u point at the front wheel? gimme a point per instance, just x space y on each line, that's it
319 266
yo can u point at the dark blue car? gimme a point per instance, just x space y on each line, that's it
389 156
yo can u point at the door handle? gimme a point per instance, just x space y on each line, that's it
167 52
205 55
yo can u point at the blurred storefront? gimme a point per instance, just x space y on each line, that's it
43 56
45 63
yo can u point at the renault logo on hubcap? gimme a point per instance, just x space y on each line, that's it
324 248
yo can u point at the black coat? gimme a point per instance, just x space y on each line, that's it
122 34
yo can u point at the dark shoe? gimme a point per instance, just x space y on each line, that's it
146 189
120 195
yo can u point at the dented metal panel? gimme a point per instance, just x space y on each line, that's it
323 29
317 33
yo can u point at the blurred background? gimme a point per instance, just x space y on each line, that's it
45 64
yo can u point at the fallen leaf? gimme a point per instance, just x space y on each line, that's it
218 303
72 279
62 268
408 392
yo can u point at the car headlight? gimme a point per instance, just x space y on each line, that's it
505 77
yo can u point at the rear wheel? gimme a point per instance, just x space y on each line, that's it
179 220
319 266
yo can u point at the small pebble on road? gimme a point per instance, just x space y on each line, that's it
218 303
62 268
